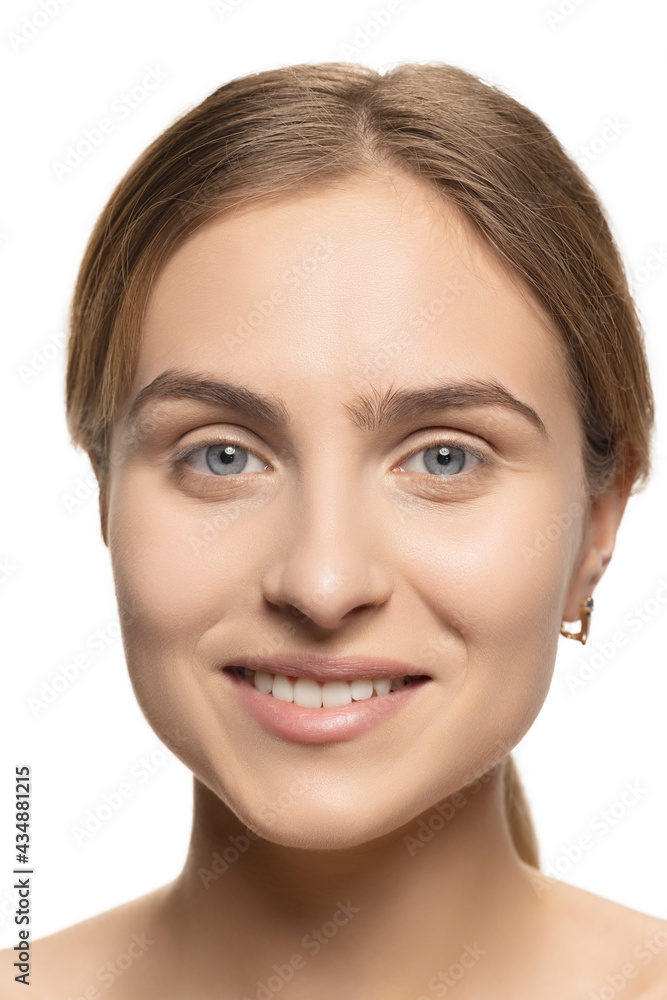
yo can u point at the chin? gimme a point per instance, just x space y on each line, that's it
320 815
321 830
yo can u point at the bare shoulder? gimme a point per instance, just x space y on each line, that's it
86 959
625 950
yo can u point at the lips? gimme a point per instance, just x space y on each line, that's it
327 668
299 724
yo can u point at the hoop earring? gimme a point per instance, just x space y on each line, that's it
585 611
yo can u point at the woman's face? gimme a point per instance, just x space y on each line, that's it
338 530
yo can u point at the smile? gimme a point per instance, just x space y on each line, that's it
309 693
303 710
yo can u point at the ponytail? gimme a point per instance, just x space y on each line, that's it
518 815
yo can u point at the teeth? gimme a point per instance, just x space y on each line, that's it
309 693
263 682
282 688
361 690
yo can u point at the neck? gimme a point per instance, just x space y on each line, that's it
380 919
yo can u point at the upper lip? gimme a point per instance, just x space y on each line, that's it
326 668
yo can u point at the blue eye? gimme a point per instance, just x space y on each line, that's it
223 459
227 458
443 459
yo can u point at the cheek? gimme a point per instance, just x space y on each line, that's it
495 574
178 571
178 567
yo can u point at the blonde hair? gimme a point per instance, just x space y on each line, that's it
289 129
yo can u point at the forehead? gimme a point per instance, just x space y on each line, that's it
370 281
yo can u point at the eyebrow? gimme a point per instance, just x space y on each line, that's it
372 412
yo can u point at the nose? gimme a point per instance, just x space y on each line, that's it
329 563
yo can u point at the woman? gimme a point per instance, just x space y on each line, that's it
343 345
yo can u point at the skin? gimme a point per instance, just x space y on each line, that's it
336 538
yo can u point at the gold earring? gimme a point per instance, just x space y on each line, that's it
585 611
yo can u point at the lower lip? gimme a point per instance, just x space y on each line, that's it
322 725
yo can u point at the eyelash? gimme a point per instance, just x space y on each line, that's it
178 460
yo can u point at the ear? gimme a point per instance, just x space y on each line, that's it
103 483
597 546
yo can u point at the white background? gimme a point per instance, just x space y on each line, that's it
595 61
